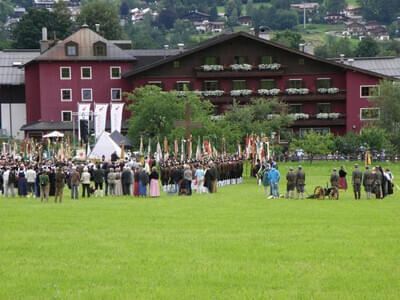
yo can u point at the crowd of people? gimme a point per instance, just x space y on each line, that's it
136 177
377 181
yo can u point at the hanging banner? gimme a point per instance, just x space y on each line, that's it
100 117
116 116
83 114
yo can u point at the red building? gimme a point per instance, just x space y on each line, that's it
323 95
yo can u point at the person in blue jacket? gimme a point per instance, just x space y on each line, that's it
274 177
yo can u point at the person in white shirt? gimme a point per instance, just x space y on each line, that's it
8 185
199 174
31 178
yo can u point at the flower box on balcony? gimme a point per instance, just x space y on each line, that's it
268 92
214 93
299 116
239 93
269 66
328 91
241 67
212 68
326 116
293 91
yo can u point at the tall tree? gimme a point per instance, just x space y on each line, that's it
288 38
27 33
104 14
213 13
63 16
367 48
384 11
335 6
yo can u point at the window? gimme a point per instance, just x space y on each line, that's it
65 73
66 95
211 60
66 116
369 114
71 49
86 72
266 60
267 84
366 91
183 86
115 94
156 83
323 108
239 84
86 94
295 108
211 85
115 72
176 64
319 130
324 83
99 49
239 60
301 61
295 83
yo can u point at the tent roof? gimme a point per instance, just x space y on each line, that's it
104 146
117 137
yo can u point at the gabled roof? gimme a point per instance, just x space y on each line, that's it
11 65
226 37
389 66
85 38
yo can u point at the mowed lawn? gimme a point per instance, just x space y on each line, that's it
235 244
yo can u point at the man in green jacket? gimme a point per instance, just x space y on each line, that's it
44 184
60 181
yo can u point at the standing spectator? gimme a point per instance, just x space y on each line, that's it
356 179
300 182
265 180
389 181
118 183
31 178
342 178
111 181
154 187
9 179
126 180
274 177
75 179
143 181
98 178
52 180
136 182
291 183
85 179
59 182
22 183
187 180
199 175
377 183
368 182
44 183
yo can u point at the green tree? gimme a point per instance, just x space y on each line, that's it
314 144
6 9
63 16
28 31
102 13
375 138
285 19
334 47
232 19
367 48
388 100
384 11
335 6
249 8
213 13
182 32
144 35
288 38
348 144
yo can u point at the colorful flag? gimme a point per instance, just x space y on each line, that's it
141 146
158 152
149 148
100 117
176 149
198 149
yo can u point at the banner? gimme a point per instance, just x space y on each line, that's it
83 114
100 117
116 116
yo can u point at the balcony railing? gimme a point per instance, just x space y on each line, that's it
228 72
314 121
314 96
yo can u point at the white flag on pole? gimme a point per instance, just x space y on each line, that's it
100 116
83 114
116 116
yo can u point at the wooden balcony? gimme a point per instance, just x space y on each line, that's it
313 121
238 74
341 96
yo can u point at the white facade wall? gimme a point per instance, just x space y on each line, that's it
13 117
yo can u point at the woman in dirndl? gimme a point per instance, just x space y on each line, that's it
154 187
342 178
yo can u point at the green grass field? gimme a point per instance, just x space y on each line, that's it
235 244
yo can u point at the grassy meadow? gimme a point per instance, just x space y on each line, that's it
235 244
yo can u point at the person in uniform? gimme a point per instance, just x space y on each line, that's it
356 179
300 182
367 182
335 183
59 182
377 183
291 183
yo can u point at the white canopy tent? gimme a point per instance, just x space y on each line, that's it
104 146
54 134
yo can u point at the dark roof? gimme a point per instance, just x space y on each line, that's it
226 37
11 65
85 38
118 138
148 56
61 126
